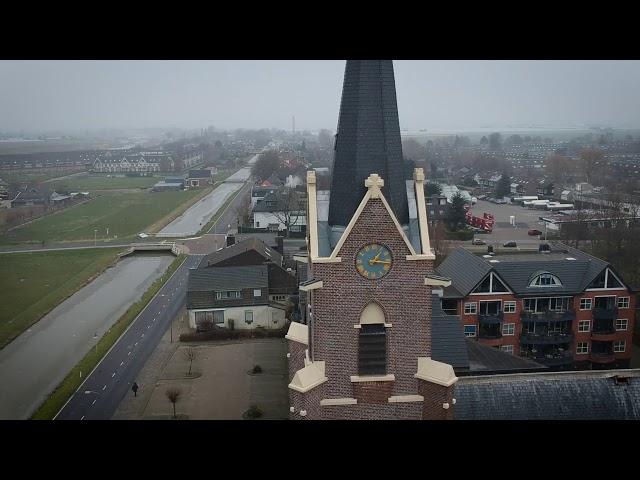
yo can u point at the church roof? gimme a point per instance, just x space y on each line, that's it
368 141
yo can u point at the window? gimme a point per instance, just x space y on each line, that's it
623 302
545 280
606 279
257 293
470 308
529 304
469 330
509 307
507 348
227 295
508 328
622 323
218 317
248 317
619 346
584 325
582 348
585 304
372 357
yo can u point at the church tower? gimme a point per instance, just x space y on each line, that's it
365 352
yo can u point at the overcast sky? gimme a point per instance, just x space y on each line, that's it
87 95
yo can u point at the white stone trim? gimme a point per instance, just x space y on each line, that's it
388 325
301 258
298 333
326 260
326 402
421 256
371 183
308 377
406 398
435 372
313 214
313 286
432 282
373 378
418 178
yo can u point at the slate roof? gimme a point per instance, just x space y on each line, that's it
228 278
485 359
575 395
199 173
280 203
447 338
368 141
238 248
467 269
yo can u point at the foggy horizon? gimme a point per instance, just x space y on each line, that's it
40 96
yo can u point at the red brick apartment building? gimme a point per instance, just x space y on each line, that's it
559 307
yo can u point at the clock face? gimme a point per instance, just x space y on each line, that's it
373 261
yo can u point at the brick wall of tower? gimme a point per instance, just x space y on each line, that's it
434 397
405 300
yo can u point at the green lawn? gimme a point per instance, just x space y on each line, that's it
124 214
31 284
83 183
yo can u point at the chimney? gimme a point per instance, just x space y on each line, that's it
280 245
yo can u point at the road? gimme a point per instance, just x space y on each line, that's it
228 219
100 394
38 359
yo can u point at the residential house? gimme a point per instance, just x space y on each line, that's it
281 207
560 307
199 178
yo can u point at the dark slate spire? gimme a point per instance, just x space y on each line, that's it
368 141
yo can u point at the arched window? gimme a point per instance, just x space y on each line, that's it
545 279
372 351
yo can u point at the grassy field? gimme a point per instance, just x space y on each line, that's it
84 183
72 381
31 284
124 214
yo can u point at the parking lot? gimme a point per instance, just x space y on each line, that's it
525 219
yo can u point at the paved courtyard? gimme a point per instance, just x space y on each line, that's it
221 387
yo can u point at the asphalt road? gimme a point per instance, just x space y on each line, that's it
102 391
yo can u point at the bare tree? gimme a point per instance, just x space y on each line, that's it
173 394
290 208
590 161
190 354
243 210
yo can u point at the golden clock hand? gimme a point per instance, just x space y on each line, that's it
380 261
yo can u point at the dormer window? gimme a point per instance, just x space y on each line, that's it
545 280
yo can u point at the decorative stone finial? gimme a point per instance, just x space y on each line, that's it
374 183
418 174
311 177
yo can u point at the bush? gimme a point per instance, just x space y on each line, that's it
218 333
254 412
257 369
459 235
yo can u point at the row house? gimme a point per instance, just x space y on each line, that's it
559 307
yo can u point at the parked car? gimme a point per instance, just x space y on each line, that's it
477 241
510 244
533 231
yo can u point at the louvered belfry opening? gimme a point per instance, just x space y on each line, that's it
367 141
372 356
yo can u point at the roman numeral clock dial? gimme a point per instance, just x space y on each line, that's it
373 261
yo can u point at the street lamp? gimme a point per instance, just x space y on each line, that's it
95 338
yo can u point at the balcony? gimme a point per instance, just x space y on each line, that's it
490 318
605 313
603 330
548 316
554 359
603 357
546 338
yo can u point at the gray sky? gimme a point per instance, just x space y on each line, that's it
87 95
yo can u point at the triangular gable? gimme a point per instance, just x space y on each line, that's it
611 279
374 182
491 283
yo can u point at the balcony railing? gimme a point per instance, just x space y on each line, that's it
548 316
550 359
489 335
545 338
603 357
605 313
490 318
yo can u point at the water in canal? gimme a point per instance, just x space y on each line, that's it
38 360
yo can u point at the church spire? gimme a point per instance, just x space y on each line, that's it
368 141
